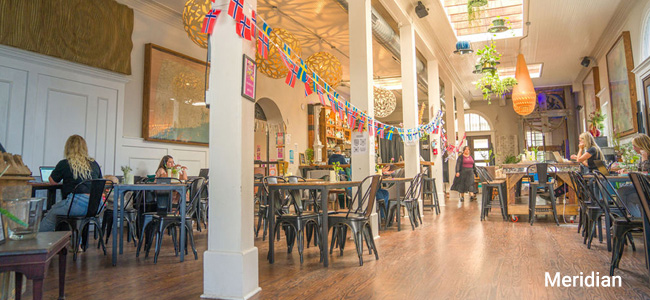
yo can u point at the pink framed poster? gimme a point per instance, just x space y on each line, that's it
249 78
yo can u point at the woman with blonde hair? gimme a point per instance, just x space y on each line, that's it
641 145
74 169
589 151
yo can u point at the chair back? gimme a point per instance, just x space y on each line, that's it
579 186
365 196
280 196
412 192
542 171
641 183
296 195
99 188
609 196
196 189
483 174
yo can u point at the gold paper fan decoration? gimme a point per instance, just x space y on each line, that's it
327 66
193 15
385 102
273 65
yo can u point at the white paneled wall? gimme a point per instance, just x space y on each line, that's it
44 100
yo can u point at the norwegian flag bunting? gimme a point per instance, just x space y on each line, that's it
308 90
209 21
263 45
236 9
244 28
320 97
291 76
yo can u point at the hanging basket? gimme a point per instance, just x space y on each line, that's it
498 25
463 47
477 3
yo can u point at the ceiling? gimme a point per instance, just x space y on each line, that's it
560 34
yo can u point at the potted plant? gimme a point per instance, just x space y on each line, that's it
596 123
474 9
310 155
128 177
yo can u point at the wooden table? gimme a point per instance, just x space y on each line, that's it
31 258
323 187
514 174
396 181
51 191
306 168
120 189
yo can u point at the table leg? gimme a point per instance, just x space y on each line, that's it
270 215
62 260
183 206
114 229
19 285
646 235
399 207
121 223
37 290
324 226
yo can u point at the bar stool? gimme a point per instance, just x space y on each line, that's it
432 191
542 183
487 201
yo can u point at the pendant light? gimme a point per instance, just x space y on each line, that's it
523 94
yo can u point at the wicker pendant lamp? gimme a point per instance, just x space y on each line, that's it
193 14
523 94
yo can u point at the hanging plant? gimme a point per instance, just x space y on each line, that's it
490 83
488 57
474 9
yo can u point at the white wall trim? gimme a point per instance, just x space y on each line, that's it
156 11
57 63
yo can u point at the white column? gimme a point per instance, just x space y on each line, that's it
361 92
433 78
409 97
460 116
230 265
451 127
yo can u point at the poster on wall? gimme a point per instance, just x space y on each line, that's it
622 87
280 153
279 140
591 86
249 78
359 143
273 170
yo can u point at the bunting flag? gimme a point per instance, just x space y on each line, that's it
291 76
302 72
254 17
209 21
389 134
314 81
266 29
244 28
263 45
320 97
308 90
236 9
287 50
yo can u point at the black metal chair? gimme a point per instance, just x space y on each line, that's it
357 218
170 221
299 222
593 211
487 200
547 187
616 213
412 203
79 224
394 205
282 204
130 216
641 183
583 199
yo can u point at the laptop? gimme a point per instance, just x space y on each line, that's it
559 157
204 173
601 167
45 173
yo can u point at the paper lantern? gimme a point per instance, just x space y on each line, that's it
523 94
385 102
273 66
193 15
327 66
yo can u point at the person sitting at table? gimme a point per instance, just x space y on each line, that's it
167 162
383 194
629 196
464 180
589 151
75 168
337 157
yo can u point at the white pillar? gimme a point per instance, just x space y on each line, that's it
451 127
460 116
433 78
230 265
361 92
409 97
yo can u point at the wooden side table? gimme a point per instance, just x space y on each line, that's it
31 258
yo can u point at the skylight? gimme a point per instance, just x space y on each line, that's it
535 71
511 10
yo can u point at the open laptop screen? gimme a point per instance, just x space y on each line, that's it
45 173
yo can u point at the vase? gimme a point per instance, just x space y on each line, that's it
28 213
128 178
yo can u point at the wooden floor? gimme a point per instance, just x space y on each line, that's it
453 256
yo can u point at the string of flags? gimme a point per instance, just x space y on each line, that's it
256 28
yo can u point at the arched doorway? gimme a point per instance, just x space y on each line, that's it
268 145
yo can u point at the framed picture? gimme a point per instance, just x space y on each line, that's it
174 98
591 86
249 78
622 87
301 157
3 237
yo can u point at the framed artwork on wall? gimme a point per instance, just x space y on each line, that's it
174 98
591 86
622 86
249 78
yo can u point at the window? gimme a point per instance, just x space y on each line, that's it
475 122
535 139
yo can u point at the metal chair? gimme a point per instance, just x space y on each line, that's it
543 183
487 194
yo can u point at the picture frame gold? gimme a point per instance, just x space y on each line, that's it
622 86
